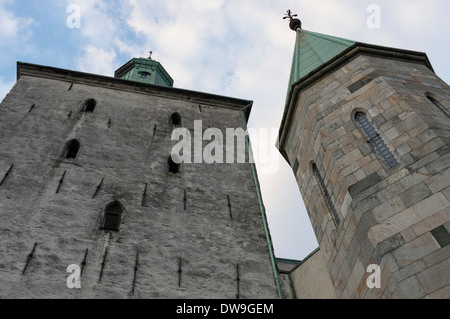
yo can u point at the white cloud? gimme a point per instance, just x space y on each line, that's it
15 34
182 41
100 34
97 22
98 61
11 25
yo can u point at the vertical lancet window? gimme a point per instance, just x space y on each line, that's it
71 150
325 194
438 105
112 217
376 140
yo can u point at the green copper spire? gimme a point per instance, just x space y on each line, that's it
146 71
312 50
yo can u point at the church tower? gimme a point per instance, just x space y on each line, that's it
93 204
366 130
146 71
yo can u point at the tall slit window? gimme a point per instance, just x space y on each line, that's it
438 105
175 119
89 106
173 167
376 140
71 150
112 217
325 194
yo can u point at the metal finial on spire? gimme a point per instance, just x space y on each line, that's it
294 24
150 56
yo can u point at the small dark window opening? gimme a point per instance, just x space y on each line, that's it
89 105
438 105
326 195
144 74
112 217
71 150
173 167
175 119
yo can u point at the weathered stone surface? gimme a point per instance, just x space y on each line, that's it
388 209
387 246
393 209
415 194
443 293
427 148
366 183
440 181
407 218
436 277
311 280
409 289
415 250
128 154
432 222
355 278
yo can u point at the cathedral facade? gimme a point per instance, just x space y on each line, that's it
93 204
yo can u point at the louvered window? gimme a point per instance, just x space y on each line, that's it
325 193
376 140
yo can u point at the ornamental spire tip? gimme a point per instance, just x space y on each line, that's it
294 24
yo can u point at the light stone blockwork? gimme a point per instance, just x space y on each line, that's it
126 142
387 216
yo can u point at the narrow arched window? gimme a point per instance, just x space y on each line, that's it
71 150
112 217
376 140
326 195
175 119
439 106
173 167
89 106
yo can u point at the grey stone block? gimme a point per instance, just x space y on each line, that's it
438 165
437 256
415 250
364 184
436 277
426 148
387 246
379 120
415 194
365 149
409 289
363 206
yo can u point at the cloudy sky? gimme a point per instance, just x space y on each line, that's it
239 48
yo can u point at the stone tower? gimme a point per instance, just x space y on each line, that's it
366 130
87 179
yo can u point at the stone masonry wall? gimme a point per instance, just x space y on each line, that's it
397 218
126 142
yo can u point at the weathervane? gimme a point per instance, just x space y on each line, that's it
294 24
